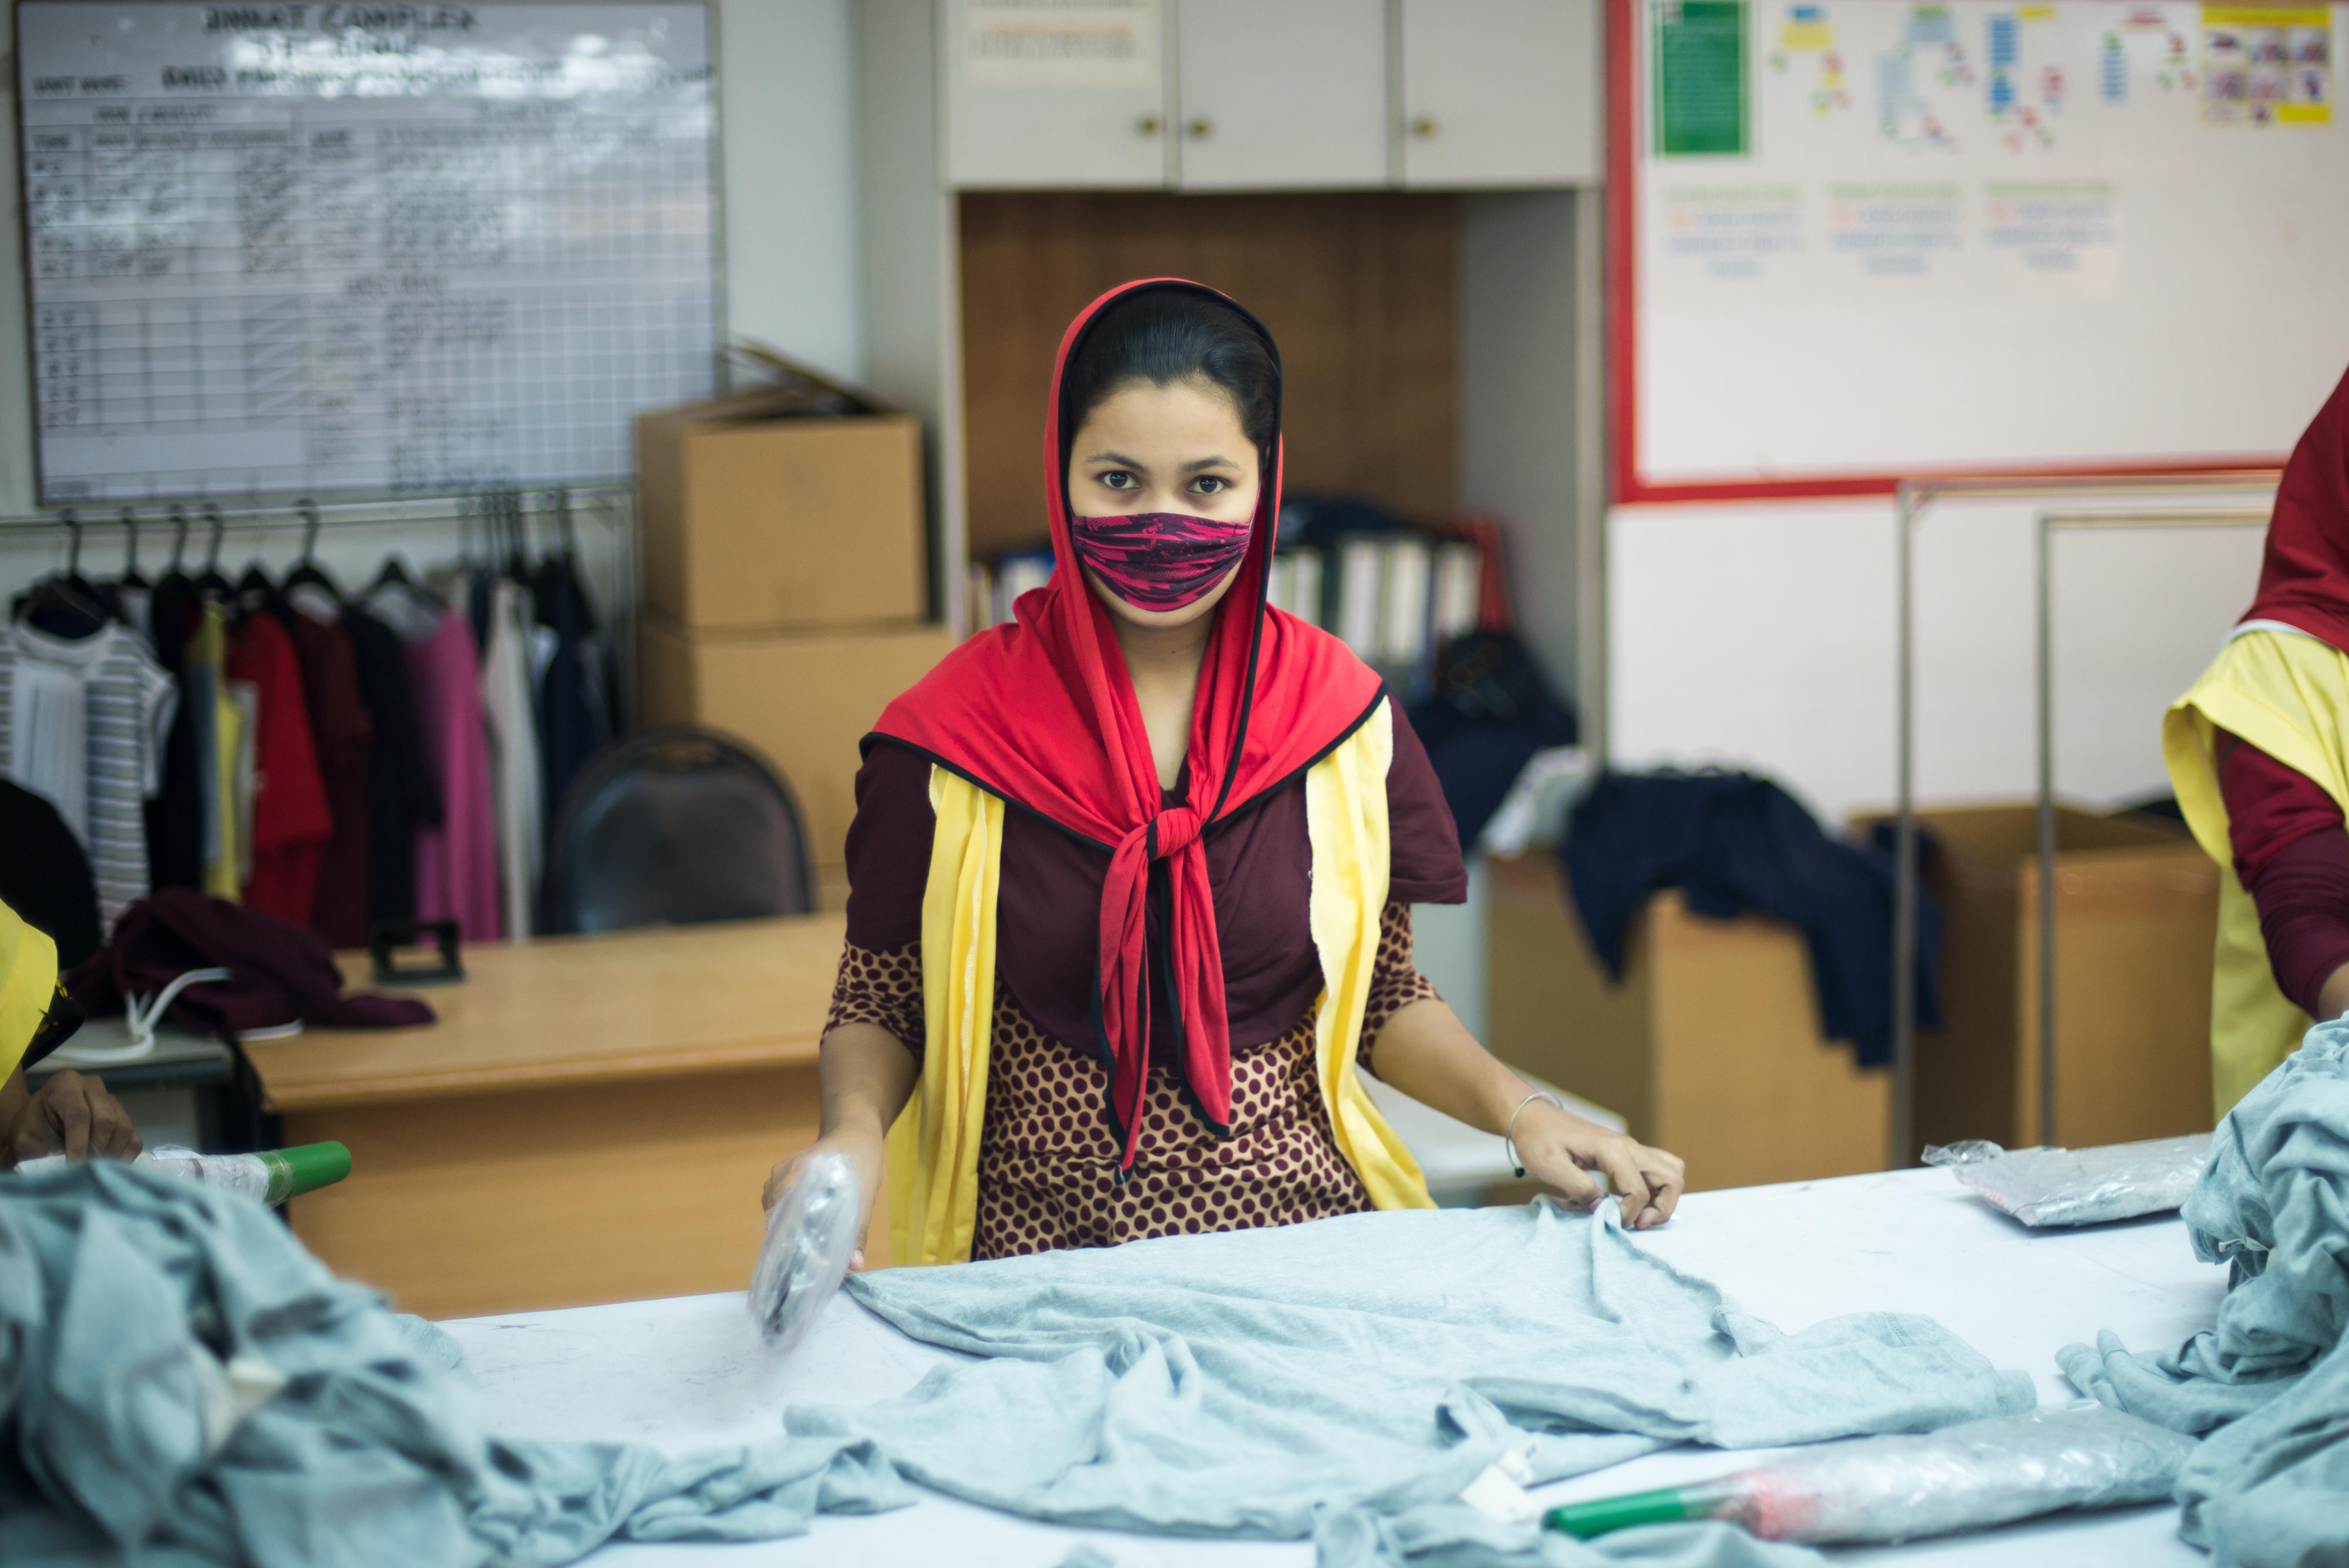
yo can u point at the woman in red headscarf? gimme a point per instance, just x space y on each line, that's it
1131 878
2258 754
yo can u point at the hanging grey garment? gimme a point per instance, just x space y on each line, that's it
2270 1486
1233 1384
1454 1535
179 1381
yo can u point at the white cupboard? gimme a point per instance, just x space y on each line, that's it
1269 95
1499 93
1064 96
1285 95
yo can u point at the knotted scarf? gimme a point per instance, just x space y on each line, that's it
1041 712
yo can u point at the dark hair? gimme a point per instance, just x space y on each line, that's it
1166 335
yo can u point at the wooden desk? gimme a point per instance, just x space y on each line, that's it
590 1120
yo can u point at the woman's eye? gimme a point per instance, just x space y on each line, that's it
1117 479
1208 484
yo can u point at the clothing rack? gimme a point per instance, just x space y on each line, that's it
547 506
1913 500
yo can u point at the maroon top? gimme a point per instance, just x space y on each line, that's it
2292 857
1048 904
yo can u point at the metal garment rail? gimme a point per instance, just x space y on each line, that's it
1912 500
2050 525
297 514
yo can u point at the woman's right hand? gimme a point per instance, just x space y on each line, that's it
865 1151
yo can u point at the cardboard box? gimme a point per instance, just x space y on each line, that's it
755 518
2136 918
802 700
1710 1047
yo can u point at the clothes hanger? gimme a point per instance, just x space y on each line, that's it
131 577
211 582
307 572
176 573
517 537
74 579
63 603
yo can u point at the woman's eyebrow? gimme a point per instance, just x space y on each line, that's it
1118 458
1216 461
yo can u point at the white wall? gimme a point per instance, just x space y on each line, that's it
1761 636
787 84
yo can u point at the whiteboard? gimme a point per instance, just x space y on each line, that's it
1971 236
310 248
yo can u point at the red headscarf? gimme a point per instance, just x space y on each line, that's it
2305 578
1043 713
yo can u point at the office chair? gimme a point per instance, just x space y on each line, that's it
674 825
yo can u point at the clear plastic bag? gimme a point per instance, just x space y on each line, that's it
811 1233
2080 1186
1968 1476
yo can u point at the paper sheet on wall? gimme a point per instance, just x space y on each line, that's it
316 247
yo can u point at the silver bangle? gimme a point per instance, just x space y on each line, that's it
1509 1143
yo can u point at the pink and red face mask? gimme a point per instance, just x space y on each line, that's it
1159 561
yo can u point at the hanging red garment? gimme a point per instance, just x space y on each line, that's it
1042 712
291 822
2304 577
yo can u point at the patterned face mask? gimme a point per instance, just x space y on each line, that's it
1160 560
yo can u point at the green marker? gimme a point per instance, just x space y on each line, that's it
1665 1505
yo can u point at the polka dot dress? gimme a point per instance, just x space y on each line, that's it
1047 1157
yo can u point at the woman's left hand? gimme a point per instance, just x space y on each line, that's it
1561 1150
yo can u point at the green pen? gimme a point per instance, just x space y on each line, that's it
1727 1499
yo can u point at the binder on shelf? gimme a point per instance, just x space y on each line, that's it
1294 584
1361 563
1459 590
1403 602
1305 569
1016 573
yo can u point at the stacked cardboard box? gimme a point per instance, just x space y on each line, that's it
2136 918
786 589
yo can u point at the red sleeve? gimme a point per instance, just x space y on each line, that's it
2270 808
1422 844
2293 857
889 849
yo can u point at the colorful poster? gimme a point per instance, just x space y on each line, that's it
1702 89
1807 34
2267 65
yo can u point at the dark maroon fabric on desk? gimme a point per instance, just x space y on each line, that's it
279 971
1048 904
2291 855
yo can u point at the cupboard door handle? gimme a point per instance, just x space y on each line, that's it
1200 129
1423 126
1148 125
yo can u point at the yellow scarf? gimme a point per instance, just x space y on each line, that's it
2288 695
933 1146
28 985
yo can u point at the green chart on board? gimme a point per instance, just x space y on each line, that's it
1701 89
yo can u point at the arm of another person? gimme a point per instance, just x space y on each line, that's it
69 1115
1427 1053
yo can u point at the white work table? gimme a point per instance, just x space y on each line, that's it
687 1373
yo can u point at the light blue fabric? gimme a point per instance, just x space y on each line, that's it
1453 1535
179 1381
2271 1380
1238 1384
